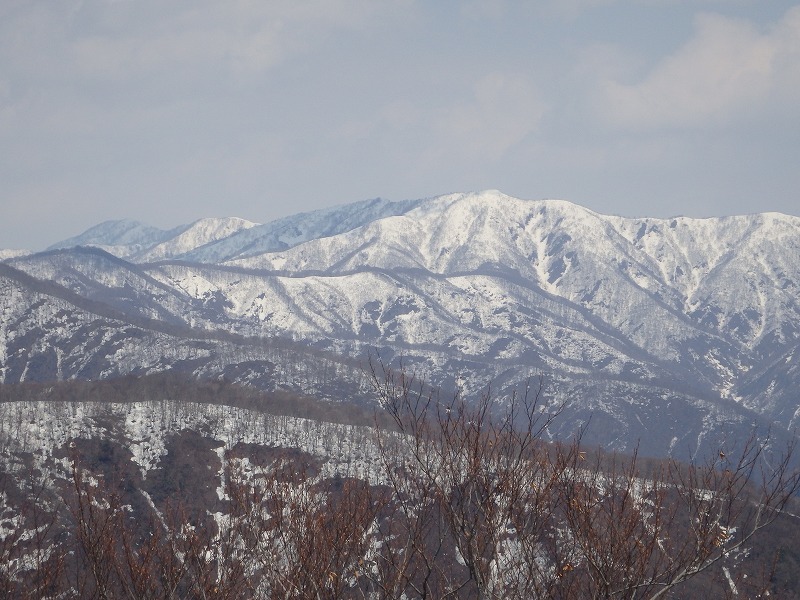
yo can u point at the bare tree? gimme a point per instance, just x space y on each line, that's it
31 559
317 534
473 501
640 533
482 472
530 519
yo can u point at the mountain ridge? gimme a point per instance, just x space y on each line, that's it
640 319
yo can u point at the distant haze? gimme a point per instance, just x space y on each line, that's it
166 112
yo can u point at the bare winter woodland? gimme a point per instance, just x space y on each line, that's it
470 501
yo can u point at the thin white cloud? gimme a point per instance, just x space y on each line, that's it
728 68
573 8
162 107
120 39
503 109
484 9
479 125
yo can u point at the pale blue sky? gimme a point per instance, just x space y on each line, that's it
167 112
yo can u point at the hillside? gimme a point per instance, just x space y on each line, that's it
146 486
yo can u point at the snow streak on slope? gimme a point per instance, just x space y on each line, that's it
706 259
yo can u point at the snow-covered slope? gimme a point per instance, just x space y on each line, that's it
50 333
158 467
631 276
138 242
637 322
122 238
294 230
216 240
197 235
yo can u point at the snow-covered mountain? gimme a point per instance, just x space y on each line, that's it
124 236
296 229
668 331
198 234
215 240
50 333
142 243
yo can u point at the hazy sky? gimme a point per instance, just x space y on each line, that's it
169 111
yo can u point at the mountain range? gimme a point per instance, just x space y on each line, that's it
666 334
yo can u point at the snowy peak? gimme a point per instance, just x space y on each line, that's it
446 234
648 319
547 241
628 272
297 229
194 237
122 237
137 242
